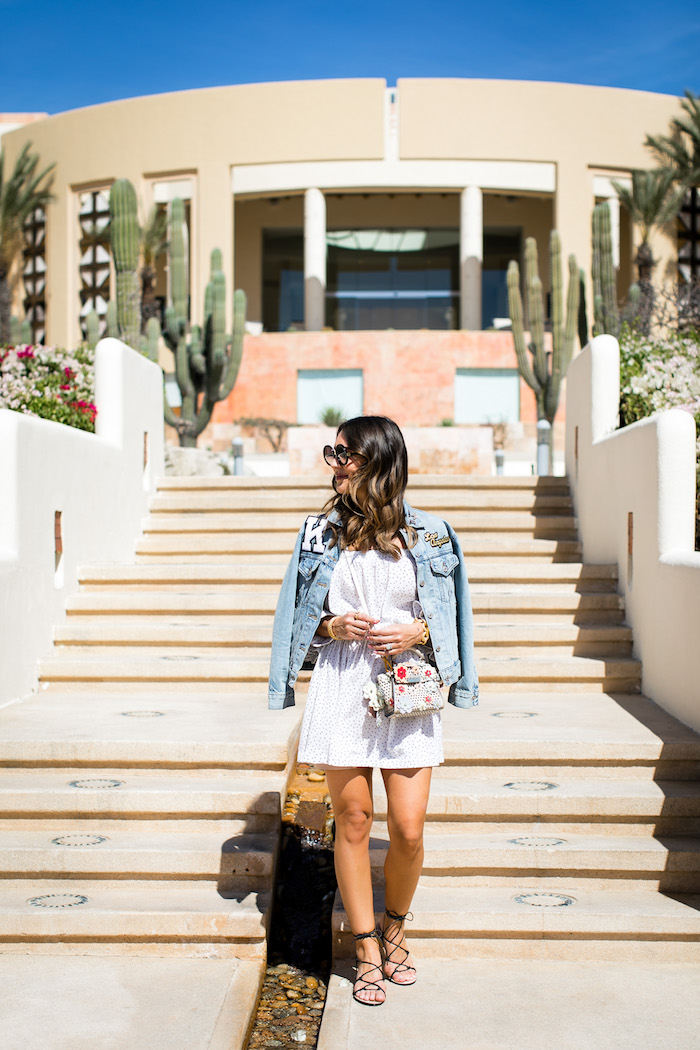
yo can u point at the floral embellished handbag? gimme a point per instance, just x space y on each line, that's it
408 688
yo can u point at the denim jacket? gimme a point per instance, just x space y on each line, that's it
443 592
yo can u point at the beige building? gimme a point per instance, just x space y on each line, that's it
343 203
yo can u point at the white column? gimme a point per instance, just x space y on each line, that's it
614 205
314 260
471 255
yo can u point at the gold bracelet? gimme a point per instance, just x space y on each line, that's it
331 632
426 632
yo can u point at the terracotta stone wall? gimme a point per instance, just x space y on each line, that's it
408 376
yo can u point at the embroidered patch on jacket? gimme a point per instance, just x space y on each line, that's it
314 529
432 539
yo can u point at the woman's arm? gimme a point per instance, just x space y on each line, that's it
279 693
464 692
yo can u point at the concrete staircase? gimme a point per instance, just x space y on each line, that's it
140 794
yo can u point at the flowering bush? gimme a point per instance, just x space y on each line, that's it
49 382
659 374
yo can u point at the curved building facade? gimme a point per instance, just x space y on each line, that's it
344 205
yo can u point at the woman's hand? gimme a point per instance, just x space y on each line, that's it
389 639
351 626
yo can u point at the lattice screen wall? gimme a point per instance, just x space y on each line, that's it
34 273
95 262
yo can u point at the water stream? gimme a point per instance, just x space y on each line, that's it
300 944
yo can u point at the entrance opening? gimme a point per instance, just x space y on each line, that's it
378 279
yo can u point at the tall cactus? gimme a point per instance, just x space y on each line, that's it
124 315
92 329
605 309
124 234
20 331
545 372
206 359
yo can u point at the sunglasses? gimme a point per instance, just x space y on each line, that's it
340 455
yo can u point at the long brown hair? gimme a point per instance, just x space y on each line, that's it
371 511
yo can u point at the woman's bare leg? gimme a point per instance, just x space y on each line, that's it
407 796
351 796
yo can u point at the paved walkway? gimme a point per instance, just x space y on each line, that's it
88 1003
498 1004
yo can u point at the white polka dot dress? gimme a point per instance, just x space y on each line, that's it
338 728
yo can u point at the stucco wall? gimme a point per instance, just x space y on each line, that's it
99 483
646 470
408 376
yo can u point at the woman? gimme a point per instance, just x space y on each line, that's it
369 579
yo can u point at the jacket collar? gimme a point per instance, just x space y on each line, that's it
410 514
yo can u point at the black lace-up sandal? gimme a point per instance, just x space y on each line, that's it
401 966
364 981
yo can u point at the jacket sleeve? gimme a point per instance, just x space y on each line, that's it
280 694
465 691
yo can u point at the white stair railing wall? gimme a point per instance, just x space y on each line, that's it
68 497
634 495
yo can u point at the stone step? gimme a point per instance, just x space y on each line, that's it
465 796
468 482
88 663
619 734
545 525
440 501
171 795
251 600
245 631
176 728
533 735
188 578
472 796
512 922
123 910
544 857
165 539
135 849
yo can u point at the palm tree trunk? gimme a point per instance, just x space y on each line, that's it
645 262
5 307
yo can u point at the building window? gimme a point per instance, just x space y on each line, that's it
34 273
321 388
283 280
487 395
378 279
95 263
689 236
501 244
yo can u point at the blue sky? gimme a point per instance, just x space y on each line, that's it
67 54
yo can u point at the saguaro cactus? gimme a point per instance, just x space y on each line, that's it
20 331
124 235
605 310
206 359
547 368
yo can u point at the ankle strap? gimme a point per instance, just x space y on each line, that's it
398 918
365 936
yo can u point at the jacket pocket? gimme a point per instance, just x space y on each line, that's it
442 568
308 565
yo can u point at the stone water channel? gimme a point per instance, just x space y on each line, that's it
300 945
